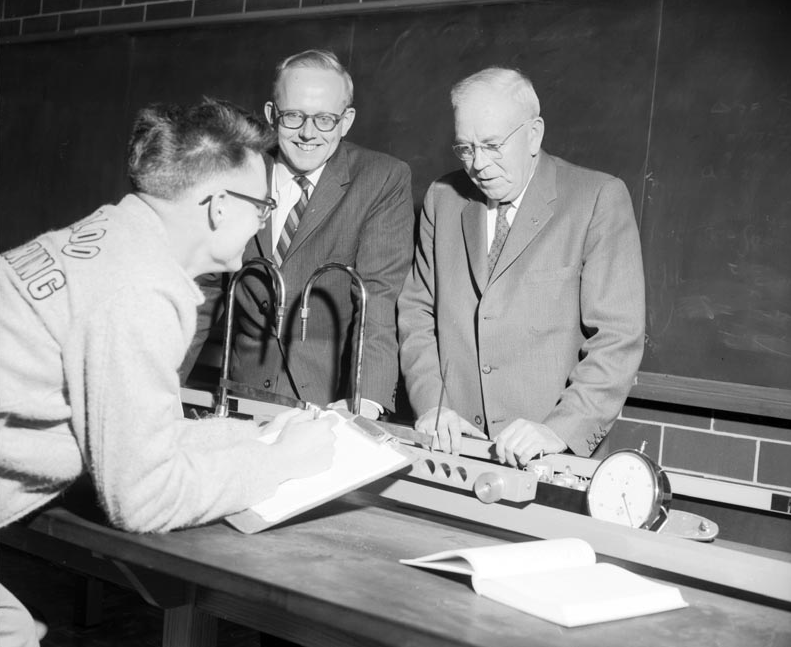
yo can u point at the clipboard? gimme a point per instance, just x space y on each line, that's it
361 457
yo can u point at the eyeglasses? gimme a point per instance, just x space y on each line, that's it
466 152
294 119
265 206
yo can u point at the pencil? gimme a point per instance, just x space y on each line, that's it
443 375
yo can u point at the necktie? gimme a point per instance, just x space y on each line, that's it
292 221
501 228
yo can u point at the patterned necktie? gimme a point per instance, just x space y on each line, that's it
501 228
292 221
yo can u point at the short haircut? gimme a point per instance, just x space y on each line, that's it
507 80
316 58
173 148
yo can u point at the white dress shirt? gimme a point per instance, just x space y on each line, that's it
491 214
286 192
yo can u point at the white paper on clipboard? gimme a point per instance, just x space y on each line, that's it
357 461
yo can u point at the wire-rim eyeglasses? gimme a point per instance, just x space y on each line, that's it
466 152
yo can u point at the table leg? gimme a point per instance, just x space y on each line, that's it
186 626
88 602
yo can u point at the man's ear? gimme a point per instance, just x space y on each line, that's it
269 112
217 202
347 120
536 135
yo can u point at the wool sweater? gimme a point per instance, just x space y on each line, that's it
95 320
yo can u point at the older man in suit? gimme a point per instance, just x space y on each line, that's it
526 296
337 202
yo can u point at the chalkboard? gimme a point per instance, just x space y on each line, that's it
63 130
404 63
688 102
716 227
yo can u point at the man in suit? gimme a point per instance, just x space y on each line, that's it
359 213
527 288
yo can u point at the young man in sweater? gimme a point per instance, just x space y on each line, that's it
96 320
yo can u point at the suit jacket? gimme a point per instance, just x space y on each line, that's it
556 334
360 214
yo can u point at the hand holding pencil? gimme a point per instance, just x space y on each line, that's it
445 424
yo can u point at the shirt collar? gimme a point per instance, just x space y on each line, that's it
282 175
492 204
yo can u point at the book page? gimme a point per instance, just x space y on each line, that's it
584 595
357 460
507 559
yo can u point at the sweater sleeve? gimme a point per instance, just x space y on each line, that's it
153 469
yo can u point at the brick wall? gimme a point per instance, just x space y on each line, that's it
735 448
728 446
36 19
47 17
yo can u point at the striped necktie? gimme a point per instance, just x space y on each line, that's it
292 221
501 228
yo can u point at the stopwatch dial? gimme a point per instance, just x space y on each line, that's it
623 491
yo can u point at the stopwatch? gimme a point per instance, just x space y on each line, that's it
630 489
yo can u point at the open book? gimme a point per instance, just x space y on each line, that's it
557 580
358 460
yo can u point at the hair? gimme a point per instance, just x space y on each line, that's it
313 58
173 148
506 80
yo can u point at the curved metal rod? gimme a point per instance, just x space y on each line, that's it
304 312
230 305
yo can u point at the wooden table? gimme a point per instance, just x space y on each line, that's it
332 577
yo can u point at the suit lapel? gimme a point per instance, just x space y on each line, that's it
473 224
326 194
533 214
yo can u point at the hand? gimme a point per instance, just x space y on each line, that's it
368 408
279 421
522 440
308 444
448 430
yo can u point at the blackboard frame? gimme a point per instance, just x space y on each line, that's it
712 394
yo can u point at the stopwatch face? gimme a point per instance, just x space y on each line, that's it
626 489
